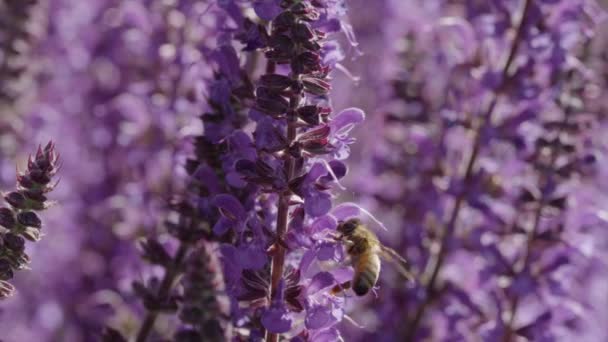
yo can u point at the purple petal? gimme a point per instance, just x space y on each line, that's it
307 259
229 206
208 179
317 203
235 179
240 139
329 335
343 274
338 168
346 119
267 9
276 320
268 137
232 267
233 10
323 222
222 226
319 317
327 251
228 62
316 171
319 282
345 211
252 257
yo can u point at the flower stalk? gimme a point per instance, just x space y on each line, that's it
278 260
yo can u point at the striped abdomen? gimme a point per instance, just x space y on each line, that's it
367 270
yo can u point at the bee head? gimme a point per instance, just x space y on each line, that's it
348 227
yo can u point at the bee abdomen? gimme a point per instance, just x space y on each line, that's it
367 271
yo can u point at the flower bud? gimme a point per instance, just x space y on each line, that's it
316 86
306 62
6 271
14 242
270 102
29 219
16 200
7 218
276 81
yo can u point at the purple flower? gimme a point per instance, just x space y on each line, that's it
276 318
232 213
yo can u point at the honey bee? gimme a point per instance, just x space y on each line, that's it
365 252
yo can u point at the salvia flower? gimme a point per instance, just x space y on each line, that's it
20 221
280 188
228 89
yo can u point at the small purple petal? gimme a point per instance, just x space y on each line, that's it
323 222
229 206
346 119
208 179
235 179
345 211
329 335
317 203
276 319
319 282
319 317
307 259
222 226
228 63
316 171
252 257
338 168
327 251
268 137
267 9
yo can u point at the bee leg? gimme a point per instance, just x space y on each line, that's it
336 236
341 287
348 244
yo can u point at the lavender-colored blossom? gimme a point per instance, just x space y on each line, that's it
274 168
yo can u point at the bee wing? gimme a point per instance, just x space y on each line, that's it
400 263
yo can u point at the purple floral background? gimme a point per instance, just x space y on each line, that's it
204 151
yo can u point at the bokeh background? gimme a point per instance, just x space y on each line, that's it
118 85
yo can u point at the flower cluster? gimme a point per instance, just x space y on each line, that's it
19 221
269 192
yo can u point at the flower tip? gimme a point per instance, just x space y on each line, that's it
6 289
49 146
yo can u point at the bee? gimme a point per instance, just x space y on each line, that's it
365 252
